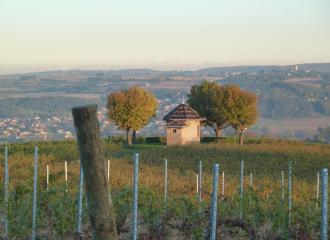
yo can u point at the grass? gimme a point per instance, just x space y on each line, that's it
129 151
263 158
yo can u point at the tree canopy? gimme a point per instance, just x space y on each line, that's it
131 109
201 98
237 107
224 106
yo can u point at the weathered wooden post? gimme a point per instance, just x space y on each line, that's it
99 201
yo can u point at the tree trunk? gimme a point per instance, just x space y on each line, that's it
100 206
241 137
129 141
218 132
134 137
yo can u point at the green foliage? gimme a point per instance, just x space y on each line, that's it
202 99
116 139
210 139
224 106
140 139
261 204
131 109
323 135
228 140
58 208
44 107
156 139
63 150
263 157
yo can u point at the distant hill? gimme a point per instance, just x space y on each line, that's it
44 107
320 67
124 73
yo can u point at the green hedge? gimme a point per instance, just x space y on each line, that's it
211 139
156 139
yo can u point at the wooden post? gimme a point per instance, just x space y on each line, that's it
100 206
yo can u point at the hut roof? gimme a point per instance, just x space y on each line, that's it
182 112
177 123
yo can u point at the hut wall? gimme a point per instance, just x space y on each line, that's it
191 134
173 137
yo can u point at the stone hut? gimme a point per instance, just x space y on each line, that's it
183 125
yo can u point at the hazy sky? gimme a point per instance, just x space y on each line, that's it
110 34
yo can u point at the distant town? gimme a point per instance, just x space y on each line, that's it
34 129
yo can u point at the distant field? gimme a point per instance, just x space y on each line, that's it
277 130
265 122
307 122
3 77
71 78
282 125
195 78
295 80
169 85
182 78
10 88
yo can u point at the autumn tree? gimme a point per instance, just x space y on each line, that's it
238 107
202 99
131 109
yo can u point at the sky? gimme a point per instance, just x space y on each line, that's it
39 35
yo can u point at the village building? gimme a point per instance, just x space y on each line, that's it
68 135
183 126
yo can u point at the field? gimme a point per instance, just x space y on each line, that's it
4 77
74 78
180 78
281 125
297 80
265 214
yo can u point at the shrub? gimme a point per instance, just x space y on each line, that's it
163 139
211 139
152 139
141 139
156 139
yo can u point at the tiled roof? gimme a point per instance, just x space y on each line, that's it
182 112
177 123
